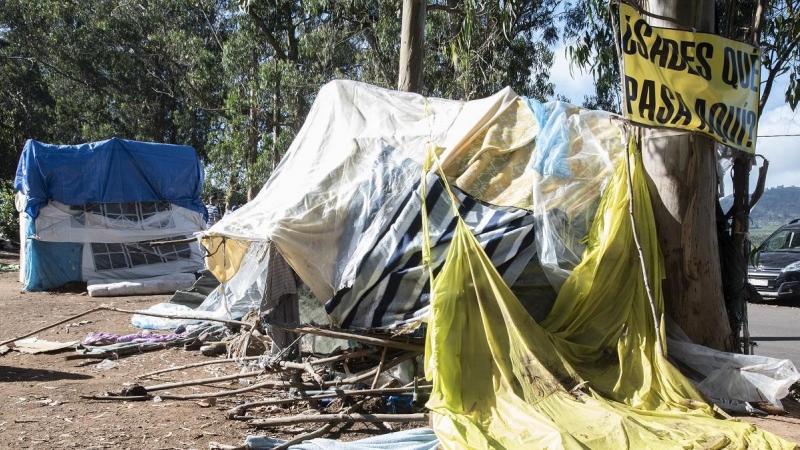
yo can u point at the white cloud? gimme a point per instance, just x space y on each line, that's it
572 84
782 152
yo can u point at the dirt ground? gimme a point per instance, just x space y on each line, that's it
41 406
40 403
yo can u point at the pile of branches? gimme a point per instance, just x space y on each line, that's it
347 388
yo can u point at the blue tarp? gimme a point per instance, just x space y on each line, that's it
50 265
115 170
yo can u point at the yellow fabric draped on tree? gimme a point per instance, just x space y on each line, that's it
590 375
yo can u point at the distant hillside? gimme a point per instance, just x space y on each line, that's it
777 206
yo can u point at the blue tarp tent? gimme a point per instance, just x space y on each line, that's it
88 211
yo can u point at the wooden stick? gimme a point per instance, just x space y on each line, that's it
267 384
273 384
643 264
338 418
284 364
126 398
178 316
69 319
125 311
161 387
176 241
343 357
237 412
200 364
361 338
315 362
380 368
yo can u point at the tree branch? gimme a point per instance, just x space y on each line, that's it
777 69
446 8
279 53
336 418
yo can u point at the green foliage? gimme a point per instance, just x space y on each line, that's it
133 70
589 33
484 47
235 79
9 218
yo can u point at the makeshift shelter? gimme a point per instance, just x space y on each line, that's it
89 212
501 226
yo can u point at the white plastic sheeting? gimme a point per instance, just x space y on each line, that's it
107 241
326 185
732 380
58 222
230 300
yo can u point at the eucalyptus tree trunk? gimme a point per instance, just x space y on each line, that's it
412 46
682 177
252 134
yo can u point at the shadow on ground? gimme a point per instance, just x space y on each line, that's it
12 374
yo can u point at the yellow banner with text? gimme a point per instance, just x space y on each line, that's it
690 80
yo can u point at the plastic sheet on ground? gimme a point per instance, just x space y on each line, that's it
415 439
732 380
590 376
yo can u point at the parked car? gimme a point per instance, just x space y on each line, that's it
775 265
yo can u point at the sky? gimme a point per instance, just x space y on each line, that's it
783 153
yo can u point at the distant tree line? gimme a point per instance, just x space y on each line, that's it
778 205
235 79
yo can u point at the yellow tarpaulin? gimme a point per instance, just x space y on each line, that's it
590 375
224 256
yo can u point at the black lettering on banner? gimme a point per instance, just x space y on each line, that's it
683 112
716 115
738 135
752 65
647 101
665 112
670 109
628 45
730 123
743 69
688 56
659 52
751 125
631 93
705 51
739 69
700 110
676 62
729 75
642 30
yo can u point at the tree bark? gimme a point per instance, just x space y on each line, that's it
252 136
412 46
682 178
276 118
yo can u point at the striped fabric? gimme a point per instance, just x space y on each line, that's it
391 287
